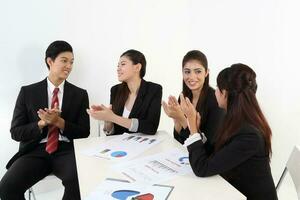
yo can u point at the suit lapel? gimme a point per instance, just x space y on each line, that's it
41 102
66 99
42 99
139 100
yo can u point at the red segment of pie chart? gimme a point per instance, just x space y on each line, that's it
147 196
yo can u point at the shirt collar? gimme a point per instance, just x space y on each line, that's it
51 87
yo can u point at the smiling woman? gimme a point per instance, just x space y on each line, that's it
135 103
196 87
243 144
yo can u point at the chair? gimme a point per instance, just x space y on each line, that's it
30 191
293 166
100 126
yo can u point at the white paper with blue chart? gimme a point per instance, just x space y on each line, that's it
156 168
123 147
114 189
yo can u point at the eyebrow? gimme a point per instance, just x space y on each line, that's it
67 58
192 69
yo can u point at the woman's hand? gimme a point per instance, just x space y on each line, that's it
96 107
101 112
173 110
193 117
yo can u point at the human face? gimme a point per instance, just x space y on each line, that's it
127 70
194 75
61 67
221 98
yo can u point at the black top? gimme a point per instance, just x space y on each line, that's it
243 162
24 125
146 108
211 116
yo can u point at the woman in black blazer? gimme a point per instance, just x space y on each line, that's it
196 87
243 145
135 103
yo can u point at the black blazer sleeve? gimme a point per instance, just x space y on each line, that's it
182 135
239 149
146 108
24 126
211 118
148 124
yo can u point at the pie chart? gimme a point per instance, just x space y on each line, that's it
118 154
147 196
124 194
184 160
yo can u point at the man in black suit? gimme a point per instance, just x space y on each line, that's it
47 117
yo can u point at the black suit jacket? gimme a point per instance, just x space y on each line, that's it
243 162
31 98
211 118
146 108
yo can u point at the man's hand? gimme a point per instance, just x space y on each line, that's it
49 116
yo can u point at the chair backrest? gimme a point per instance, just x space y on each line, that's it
293 166
100 125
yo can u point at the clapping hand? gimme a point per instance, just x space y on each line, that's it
172 108
101 112
48 116
193 117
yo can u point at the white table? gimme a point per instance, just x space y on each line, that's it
92 171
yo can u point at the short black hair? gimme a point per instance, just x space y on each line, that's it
55 48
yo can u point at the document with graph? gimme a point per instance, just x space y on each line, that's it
156 168
123 147
112 189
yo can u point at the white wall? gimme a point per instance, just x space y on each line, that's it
261 33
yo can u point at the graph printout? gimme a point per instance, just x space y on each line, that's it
114 189
123 147
156 168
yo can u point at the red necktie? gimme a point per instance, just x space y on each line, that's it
53 131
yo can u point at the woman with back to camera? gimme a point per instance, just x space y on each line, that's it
243 145
135 103
196 87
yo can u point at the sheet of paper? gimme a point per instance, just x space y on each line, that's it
156 168
123 147
114 189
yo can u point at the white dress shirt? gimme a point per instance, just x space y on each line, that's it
133 126
50 89
194 138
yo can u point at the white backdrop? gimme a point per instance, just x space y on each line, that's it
261 33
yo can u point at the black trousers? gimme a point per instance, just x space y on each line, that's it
37 164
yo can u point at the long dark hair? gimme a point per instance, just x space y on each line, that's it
239 81
201 58
122 94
